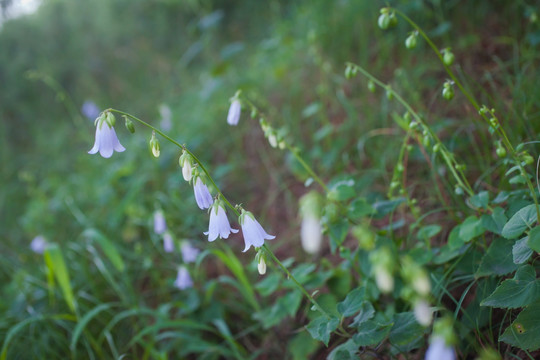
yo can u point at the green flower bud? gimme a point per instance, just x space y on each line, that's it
458 191
413 125
389 94
111 120
129 125
448 57
371 86
410 42
501 152
527 159
393 19
448 90
384 21
426 140
399 168
394 185
436 147
154 145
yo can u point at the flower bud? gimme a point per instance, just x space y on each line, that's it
311 229
501 152
154 145
186 162
261 262
410 42
423 313
393 19
371 86
436 147
129 125
384 21
111 120
448 90
458 191
448 57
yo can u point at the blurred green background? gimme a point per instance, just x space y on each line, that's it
191 56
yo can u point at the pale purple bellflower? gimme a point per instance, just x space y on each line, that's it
439 350
189 252
253 232
90 110
38 244
202 195
106 140
160 225
219 223
234 112
168 242
183 279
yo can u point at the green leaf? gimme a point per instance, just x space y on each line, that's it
498 259
521 252
471 228
346 351
337 232
518 223
494 222
524 332
268 284
109 249
371 333
406 329
534 239
429 231
366 313
353 302
520 291
56 265
84 321
480 200
385 207
302 346
360 208
322 327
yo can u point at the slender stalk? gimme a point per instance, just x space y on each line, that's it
482 110
233 208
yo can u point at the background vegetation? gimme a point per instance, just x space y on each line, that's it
116 295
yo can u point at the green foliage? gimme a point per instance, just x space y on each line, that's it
430 209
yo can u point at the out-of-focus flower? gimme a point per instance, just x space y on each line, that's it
440 350
168 242
183 279
234 112
38 244
106 140
189 252
383 264
166 117
202 195
186 162
160 225
253 232
311 229
90 110
384 280
219 223
422 312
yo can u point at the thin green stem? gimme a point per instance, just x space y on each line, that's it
478 108
203 168
290 276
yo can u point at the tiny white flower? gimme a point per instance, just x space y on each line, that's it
423 312
38 244
160 225
106 140
189 252
439 350
253 232
421 284
202 195
261 266
219 223
186 162
234 112
183 279
311 234
168 242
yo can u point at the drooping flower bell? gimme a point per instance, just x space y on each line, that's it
183 279
440 350
253 232
106 140
202 194
168 242
160 225
189 252
186 162
219 223
234 112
